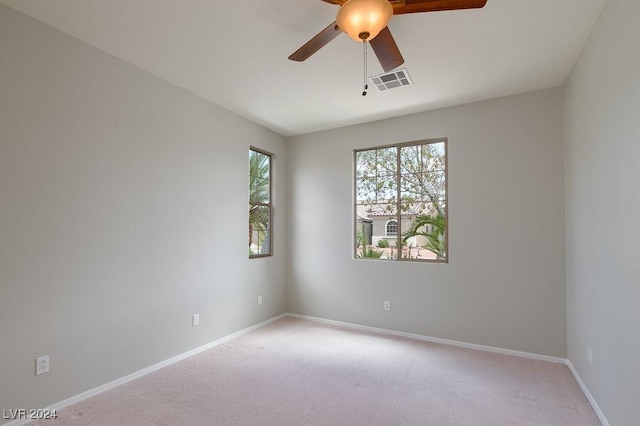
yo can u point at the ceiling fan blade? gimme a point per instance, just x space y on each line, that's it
338 2
387 50
415 6
316 43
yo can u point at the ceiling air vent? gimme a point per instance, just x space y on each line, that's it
392 80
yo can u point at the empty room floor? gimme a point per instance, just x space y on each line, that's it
299 372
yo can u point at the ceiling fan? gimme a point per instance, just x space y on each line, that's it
366 20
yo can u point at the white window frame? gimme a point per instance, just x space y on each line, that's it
386 228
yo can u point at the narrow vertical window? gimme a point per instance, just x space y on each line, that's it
260 206
401 202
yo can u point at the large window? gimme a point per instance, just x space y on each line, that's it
401 202
259 203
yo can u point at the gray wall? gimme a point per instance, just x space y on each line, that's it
123 211
504 284
602 172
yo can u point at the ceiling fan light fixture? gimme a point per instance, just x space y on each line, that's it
364 19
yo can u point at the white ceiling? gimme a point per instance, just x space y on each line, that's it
234 53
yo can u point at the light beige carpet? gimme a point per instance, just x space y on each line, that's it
296 372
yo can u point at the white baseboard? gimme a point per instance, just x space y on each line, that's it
457 343
475 346
135 375
147 370
586 392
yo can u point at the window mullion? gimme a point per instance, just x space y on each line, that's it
398 206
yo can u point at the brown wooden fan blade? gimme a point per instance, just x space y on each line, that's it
387 50
338 2
316 43
415 6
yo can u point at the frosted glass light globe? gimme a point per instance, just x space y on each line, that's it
364 19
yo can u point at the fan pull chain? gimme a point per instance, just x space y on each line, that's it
366 86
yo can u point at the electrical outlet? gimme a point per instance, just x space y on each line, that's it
259 300
387 305
589 355
195 320
42 365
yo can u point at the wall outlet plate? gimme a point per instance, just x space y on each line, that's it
42 365
259 300
387 305
195 320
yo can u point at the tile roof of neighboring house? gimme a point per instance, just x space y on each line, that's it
385 210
